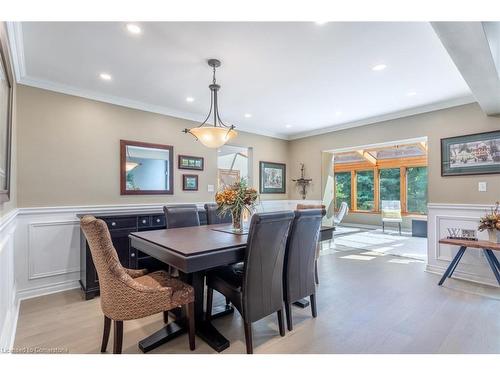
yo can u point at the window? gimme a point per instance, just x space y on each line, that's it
390 184
364 188
342 188
416 180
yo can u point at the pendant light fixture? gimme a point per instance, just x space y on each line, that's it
218 134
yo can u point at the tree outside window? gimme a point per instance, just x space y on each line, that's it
390 184
364 187
416 180
342 188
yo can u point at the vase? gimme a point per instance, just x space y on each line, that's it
493 235
237 221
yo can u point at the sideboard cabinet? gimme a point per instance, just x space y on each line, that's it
120 226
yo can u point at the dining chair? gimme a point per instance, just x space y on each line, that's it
298 270
391 213
256 290
343 211
301 206
128 294
182 215
213 217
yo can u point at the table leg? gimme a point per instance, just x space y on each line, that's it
456 264
495 260
453 264
492 262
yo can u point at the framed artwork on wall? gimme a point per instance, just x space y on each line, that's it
471 154
190 162
190 182
6 100
272 177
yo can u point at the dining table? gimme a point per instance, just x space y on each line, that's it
193 251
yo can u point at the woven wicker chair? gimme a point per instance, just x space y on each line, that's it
301 206
131 294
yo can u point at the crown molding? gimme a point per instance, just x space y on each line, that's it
16 44
455 102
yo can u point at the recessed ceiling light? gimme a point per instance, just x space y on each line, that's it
379 67
248 115
338 113
189 99
133 28
320 22
288 126
411 93
105 76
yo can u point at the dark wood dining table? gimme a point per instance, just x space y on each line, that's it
193 251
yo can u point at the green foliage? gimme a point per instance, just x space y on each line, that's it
364 186
390 184
342 188
417 189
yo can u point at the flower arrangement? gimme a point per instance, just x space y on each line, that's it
491 222
236 198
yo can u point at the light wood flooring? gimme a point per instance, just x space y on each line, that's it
367 303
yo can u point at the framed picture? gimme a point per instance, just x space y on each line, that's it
272 177
6 93
191 162
471 154
190 182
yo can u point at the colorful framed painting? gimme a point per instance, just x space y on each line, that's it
190 182
471 154
191 162
272 178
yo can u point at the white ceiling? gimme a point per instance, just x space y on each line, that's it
308 76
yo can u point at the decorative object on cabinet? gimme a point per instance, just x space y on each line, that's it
491 223
190 182
471 154
146 168
190 162
461 234
218 134
120 226
6 100
236 199
272 177
303 182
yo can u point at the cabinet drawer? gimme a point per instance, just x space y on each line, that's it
144 221
121 222
158 220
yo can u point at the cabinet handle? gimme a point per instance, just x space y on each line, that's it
144 221
157 220
113 224
132 255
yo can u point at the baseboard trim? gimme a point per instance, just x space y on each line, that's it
47 289
460 275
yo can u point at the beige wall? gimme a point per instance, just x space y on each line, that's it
68 151
12 203
450 122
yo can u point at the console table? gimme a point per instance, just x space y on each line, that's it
486 246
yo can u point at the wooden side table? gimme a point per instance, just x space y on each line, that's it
487 247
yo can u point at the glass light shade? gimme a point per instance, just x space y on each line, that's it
129 165
213 136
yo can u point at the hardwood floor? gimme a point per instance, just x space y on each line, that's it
367 303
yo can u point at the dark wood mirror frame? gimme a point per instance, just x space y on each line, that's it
123 172
5 193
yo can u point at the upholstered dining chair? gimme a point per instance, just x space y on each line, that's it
128 294
256 291
298 271
213 217
182 215
318 247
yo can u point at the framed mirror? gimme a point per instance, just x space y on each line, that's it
146 168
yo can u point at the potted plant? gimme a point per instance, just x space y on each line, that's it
491 222
236 198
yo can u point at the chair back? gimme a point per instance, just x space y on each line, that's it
109 269
265 252
298 272
344 210
182 215
213 217
301 206
391 210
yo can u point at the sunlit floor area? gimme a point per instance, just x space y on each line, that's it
375 240
368 302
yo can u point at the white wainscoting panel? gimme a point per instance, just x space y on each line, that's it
473 266
8 303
